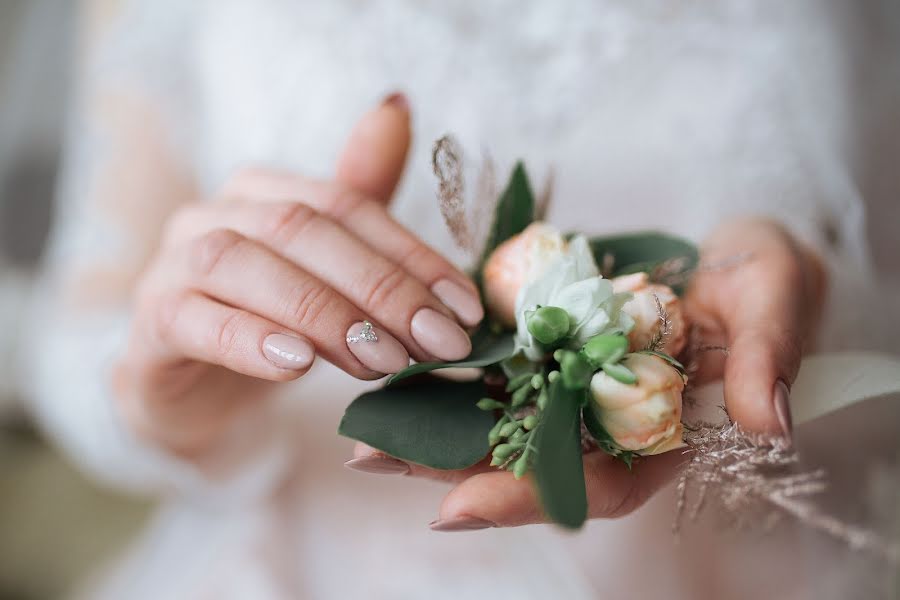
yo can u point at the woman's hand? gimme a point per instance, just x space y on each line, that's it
763 308
250 288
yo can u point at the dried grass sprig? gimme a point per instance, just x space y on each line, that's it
664 330
446 161
754 480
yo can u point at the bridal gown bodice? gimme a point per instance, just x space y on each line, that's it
668 115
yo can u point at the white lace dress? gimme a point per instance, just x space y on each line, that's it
671 115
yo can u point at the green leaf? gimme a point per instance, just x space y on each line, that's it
435 423
488 351
558 469
515 211
645 251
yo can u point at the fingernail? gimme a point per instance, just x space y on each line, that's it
397 99
463 523
379 465
376 348
288 352
439 336
461 301
782 401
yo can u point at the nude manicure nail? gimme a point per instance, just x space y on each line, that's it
397 99
288 352
379 465
383 354
781 399
439 336
463 523
461 301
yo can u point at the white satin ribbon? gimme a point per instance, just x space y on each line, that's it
829 382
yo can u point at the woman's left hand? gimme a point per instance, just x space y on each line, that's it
764 308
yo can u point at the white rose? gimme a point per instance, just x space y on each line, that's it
644 417
643 310
573 283
522 258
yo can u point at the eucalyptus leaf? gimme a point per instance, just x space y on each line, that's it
645 251
488 351
514 212
558 469
435 422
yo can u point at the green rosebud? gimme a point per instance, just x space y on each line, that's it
549 324
576 371
605 348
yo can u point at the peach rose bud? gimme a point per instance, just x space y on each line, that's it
644 417
520 259
645 312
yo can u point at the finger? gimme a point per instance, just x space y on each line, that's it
193 326
369 460
368 220
497 499
762 307
248 275
373 157
377 286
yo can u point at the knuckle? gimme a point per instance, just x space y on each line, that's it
309 304
417 254
290 220
383 286
168 307
343 203
227 333
210 249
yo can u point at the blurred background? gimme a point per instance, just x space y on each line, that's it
54 524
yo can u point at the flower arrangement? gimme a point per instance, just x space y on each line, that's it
578 349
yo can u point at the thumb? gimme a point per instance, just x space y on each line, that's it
373 157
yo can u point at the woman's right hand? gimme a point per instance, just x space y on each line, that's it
248 289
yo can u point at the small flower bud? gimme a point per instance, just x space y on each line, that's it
489 404
549 325
509 429
520 466
530 422
504 451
